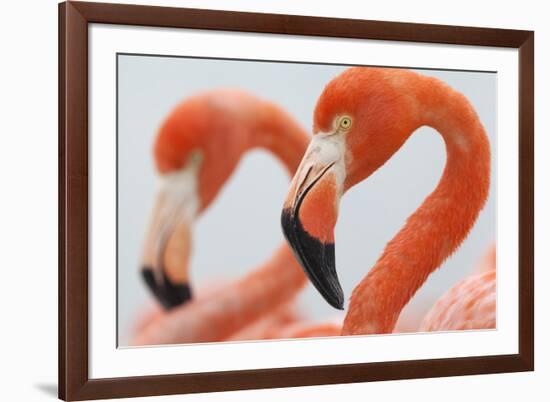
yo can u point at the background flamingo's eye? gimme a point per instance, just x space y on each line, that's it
195 158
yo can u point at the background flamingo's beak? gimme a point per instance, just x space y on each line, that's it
165 273
167 247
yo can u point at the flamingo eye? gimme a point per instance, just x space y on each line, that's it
344 123
195 158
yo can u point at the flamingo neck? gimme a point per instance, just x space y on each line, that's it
278 133
280 278
438 227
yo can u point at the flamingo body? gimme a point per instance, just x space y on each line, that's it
470 304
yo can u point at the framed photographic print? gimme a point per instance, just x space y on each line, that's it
259 200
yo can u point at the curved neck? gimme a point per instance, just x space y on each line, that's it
240 122
275 131
438 227
280 278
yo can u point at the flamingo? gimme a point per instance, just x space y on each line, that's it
196 150
470 304
361 119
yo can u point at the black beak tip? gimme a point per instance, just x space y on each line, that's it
315 257
169 294
332 292
338 302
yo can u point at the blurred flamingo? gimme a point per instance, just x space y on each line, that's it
489 261
361 119
196 150
470 304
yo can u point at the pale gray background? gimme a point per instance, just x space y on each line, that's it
239 231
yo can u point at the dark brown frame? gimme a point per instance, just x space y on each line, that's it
74 17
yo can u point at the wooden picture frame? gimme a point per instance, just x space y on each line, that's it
74 381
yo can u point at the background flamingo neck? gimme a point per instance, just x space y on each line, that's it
438 227
275 131
280 278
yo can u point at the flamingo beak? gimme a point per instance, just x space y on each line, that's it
310 213
168 242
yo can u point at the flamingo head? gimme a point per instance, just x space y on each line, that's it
196 149
361 119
